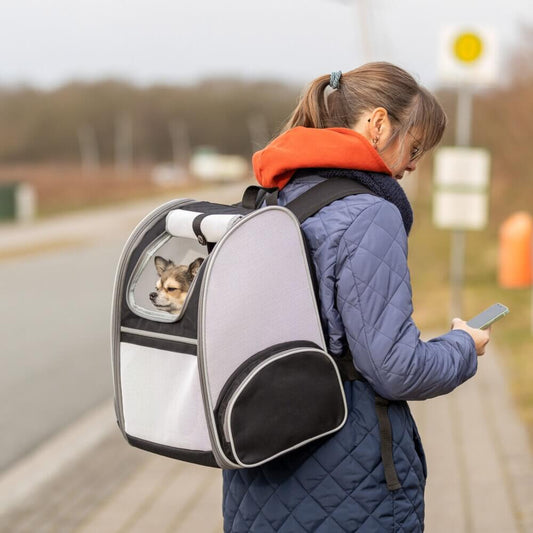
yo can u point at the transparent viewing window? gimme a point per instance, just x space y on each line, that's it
163 278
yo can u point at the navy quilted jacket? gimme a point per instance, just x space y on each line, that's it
359 248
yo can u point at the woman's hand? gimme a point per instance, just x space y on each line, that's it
481 336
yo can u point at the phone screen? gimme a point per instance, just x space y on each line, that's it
488 316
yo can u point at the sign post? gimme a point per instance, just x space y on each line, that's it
467 59
460 202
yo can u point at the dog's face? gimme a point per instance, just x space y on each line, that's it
173 284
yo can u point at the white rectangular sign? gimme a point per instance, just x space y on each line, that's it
460 198
468 211
461 167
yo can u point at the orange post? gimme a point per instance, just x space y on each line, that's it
515 252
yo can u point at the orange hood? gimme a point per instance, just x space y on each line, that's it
314 148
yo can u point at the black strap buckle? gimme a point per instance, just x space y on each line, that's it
196 226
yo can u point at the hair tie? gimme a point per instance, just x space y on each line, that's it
335 79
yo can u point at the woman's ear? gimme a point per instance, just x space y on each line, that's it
379 125
373 124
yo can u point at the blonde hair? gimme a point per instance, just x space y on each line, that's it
409 105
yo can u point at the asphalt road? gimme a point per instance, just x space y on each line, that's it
55 342
55 316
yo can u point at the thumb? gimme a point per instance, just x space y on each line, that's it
457 322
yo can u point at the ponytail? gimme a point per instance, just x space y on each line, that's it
311 111
372 85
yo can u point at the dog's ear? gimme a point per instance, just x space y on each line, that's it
194 267
161 264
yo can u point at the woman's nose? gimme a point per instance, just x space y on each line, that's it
411 166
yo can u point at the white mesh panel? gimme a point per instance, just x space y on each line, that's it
259 294
161 397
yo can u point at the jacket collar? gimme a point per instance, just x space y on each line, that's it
300 147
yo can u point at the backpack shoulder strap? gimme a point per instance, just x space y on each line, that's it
305 206
326 192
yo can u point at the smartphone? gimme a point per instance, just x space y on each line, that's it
488 317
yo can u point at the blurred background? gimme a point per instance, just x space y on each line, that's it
107 109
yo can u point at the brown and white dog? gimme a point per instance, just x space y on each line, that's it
173 284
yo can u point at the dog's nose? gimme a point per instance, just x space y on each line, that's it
153 296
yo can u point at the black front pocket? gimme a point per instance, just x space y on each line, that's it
279 400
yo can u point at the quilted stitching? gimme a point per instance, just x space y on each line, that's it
326 487
359 248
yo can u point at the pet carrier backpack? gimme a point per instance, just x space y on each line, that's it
241 374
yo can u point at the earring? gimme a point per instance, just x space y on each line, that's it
375 141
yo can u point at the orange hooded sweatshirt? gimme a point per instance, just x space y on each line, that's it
314 148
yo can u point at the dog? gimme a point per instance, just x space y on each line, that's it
173 284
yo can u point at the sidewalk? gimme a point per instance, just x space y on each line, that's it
479 459
480 474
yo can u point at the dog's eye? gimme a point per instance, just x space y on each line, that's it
170 289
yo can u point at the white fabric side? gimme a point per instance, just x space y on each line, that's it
179 224
161 397
260 293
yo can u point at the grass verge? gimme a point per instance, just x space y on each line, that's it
429 260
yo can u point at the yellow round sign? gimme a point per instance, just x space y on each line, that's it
468 47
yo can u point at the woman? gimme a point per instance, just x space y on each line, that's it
372 125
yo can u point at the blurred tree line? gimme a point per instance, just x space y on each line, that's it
234 116
503 116
228 114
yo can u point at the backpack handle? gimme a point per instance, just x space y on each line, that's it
254 196
308 203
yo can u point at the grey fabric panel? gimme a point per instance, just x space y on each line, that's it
260 294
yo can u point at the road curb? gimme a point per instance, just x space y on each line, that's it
91 225
55 455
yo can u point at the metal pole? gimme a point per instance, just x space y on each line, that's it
181 145
90 160
457 272
363 17
464 116
462 138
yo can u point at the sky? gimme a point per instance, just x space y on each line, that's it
46 43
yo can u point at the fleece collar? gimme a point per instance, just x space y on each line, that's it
301 147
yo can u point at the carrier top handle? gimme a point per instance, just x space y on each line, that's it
254 196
